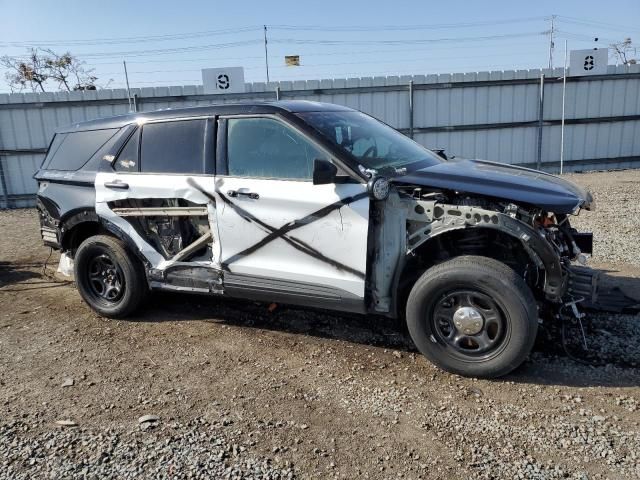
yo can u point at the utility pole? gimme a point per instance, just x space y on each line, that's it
266 53
564 94
551 40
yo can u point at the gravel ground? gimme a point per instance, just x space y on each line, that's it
198 387
617 203
193 450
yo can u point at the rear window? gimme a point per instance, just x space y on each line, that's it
70 151
173 147
58 138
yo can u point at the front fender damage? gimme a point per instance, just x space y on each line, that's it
402 224
428 219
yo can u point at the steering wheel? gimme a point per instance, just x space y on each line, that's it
373 149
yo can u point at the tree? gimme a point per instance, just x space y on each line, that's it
30 73
43 67
624 52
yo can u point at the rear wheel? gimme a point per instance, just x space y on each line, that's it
473 316
108 277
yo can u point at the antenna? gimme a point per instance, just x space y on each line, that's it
132 106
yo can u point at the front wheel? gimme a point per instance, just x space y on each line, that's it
473 316
108 277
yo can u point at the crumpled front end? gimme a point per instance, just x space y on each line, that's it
540 245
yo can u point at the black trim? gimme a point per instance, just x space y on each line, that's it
210 147
127 135
126 239
221 150
84 178
291 292
76 216
72 219
25 151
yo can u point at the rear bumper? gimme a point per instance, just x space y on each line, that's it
49 230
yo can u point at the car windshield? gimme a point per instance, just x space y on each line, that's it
375 145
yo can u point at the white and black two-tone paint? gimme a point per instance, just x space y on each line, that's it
318 205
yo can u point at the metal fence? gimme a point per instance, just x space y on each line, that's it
504 116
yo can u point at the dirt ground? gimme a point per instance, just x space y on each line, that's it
310 394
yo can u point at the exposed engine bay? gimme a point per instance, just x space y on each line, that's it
541 246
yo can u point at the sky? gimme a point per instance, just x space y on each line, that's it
169 42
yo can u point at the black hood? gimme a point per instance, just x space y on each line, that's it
508 182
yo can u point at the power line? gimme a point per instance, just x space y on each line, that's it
313 65
318 28
598 24
181 60
377 28
178 50
255 28
163 51
140 39
295 41
451 41
332 53
582 36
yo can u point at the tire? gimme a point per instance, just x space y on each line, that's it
110 279
489 338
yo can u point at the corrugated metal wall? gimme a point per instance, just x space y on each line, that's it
490 115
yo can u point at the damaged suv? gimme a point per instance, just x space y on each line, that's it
318 205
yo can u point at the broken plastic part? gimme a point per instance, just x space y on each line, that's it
65 266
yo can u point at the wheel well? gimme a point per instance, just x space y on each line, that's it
483 242
72 239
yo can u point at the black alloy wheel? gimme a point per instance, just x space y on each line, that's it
469 322
473 316
106 279
109 278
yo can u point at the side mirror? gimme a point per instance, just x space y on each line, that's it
324 172
440 152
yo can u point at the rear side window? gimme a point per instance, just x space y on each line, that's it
173 147
76 148
128 159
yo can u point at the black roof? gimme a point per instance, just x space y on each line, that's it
291 106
